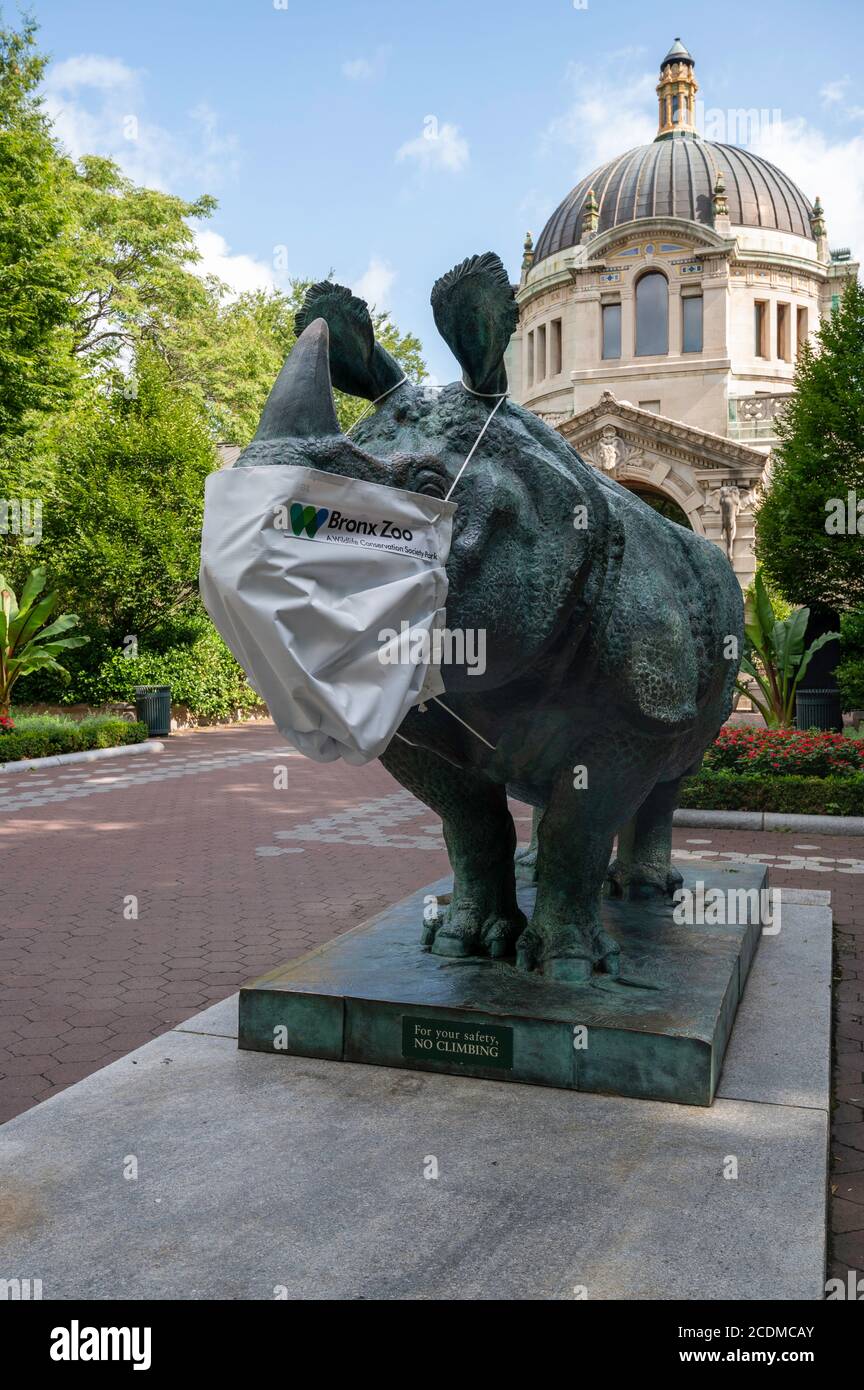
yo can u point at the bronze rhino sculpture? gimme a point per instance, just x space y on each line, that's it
612 634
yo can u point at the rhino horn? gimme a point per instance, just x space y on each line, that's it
300 405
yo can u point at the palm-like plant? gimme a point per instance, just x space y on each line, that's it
26 643
776 659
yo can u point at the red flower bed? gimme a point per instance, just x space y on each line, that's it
785 752
6 724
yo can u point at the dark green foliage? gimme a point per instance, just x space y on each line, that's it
850 671
820 457
39 736
122 531
38 264
806 796
202 674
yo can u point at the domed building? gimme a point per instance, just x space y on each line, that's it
661 313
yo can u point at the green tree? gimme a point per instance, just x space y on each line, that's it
136 252
819 462
38 266
122 533
230 354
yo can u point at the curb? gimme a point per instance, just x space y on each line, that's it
770 820
84 755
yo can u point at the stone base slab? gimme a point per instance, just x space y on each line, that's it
658 1032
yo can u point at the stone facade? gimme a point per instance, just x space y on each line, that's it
685 422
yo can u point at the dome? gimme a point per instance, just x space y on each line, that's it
674 177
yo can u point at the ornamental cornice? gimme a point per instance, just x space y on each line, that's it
645 430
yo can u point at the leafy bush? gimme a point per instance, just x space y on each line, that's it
850 671
124 522
802 796
25 630
850 679
784 753
45 735
203 676
775 657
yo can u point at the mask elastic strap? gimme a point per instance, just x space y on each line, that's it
372 404
464 724
498 397
502 396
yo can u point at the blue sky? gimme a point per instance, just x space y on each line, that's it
308 119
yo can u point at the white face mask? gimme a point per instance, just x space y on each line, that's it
301 571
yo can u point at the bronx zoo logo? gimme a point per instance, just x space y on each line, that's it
310 520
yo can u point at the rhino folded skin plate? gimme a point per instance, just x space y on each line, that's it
660 1033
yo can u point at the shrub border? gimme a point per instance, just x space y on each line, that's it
38 744
798 796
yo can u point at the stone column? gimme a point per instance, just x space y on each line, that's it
628 325
675 334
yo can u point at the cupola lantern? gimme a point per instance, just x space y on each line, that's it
676 93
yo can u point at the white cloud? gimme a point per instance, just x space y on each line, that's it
90 70
241 273
98 106
364 69
833 169
605 118
834 92
439 147
375 283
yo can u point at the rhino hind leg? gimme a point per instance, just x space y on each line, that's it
482 918
643 866
526 858
566 939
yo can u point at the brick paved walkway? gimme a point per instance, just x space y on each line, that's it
223 846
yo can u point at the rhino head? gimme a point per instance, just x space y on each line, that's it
532 534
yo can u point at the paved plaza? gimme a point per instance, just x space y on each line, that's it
154 886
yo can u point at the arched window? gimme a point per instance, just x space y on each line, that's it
652 315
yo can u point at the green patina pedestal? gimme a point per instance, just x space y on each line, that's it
659 1032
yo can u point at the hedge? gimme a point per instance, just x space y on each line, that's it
44 737
801 796
202 675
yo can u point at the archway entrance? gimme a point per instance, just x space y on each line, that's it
661 503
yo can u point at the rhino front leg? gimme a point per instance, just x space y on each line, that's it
643 866
482 917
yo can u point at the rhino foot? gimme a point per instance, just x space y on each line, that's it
569 953
639 880
465 931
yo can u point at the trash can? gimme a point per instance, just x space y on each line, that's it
153 708
819 708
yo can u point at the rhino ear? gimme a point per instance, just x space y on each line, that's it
476 314
358 365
